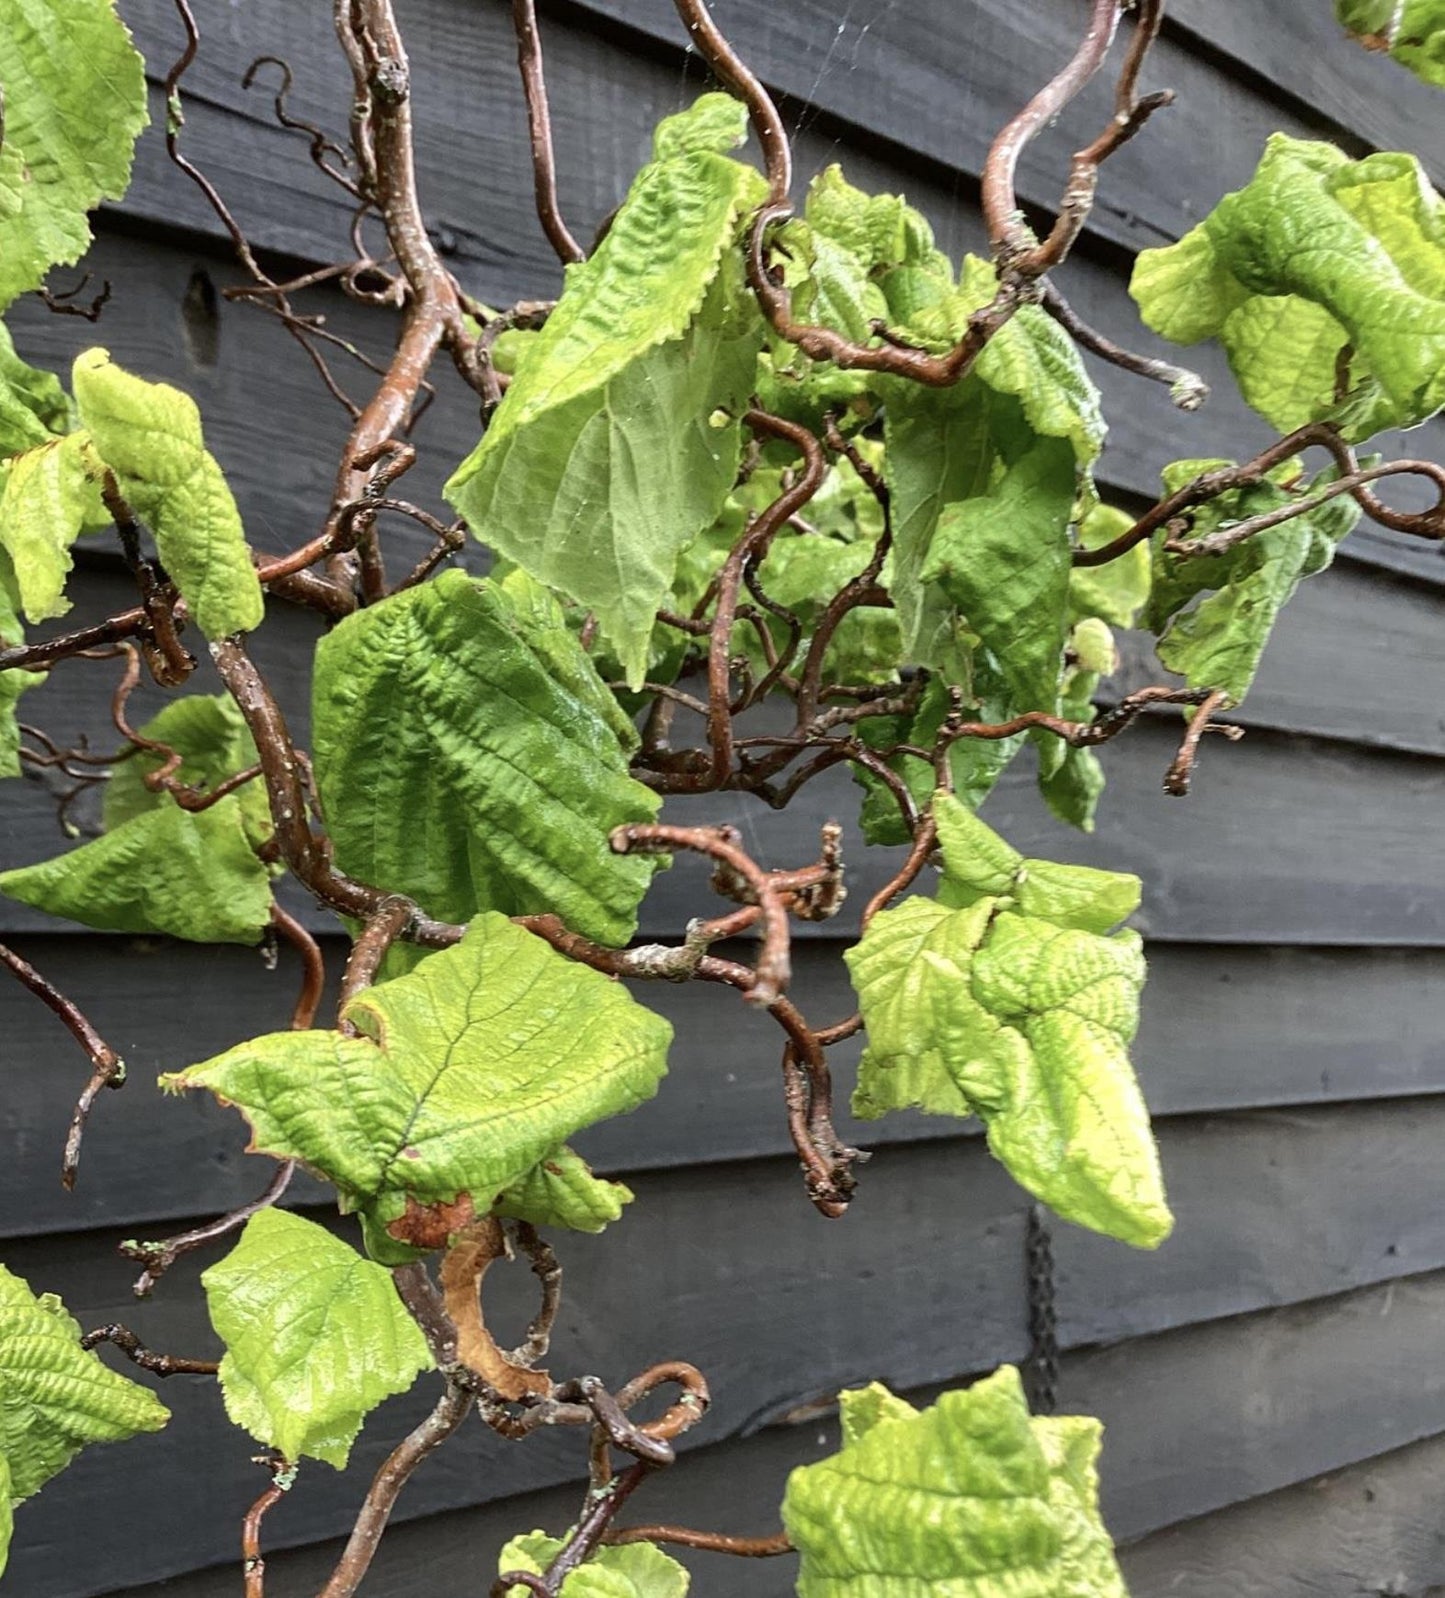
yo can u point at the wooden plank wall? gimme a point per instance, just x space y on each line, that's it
1271 1379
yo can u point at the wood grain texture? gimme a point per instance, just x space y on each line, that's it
1222 1029
1254 1408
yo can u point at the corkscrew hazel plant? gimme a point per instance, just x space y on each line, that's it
753 454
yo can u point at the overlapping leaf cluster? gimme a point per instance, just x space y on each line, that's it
1009 998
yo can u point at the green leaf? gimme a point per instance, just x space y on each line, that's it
1317 252
469 1071
191 875
471 759
881 231
1413 32
13 683
1219 642
75 99
7 1513
48 497
636 1570
55 1397
971 1496
316 1336
33 406
562 1191
1002 998
618 439
1117 591
149 435
1004 560
1035 360
1073 788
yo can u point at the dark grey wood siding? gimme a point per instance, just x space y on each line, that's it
1271 1379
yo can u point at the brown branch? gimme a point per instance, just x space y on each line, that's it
253 1566
1181 769
1187 390
1016 250
1324 435
544 166
107 1067
158 1257
713 1542
1008 233
383 927
313 967
774 966
135 1351
398 1468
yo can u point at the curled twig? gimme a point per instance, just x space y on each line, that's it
107 1067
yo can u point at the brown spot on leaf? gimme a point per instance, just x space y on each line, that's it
432 1225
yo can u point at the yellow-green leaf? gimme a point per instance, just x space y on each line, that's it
74 100
55 1397
149 435
468 1071
316 1336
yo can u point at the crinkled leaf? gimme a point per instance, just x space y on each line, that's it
191 875
942 449
1219 642
562 1191
1071 1446
1035 360
75 99
971 1496
1317 252
978 863
618 438
1118 590
210 734
48 497
1003 558
149 435
1073 788
7 1513
1003 999
33 406
1413 32
55 1397
469 1070
636 1570
880 231
860 1409
12 683
469 756
316 1336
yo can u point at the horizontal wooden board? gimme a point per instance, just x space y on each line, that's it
728 1267
1295 52
1222 1029
1212 1416
605 99
1371 1529
937 80
1230 864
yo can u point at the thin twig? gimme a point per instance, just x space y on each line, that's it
107 1067
398 1468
